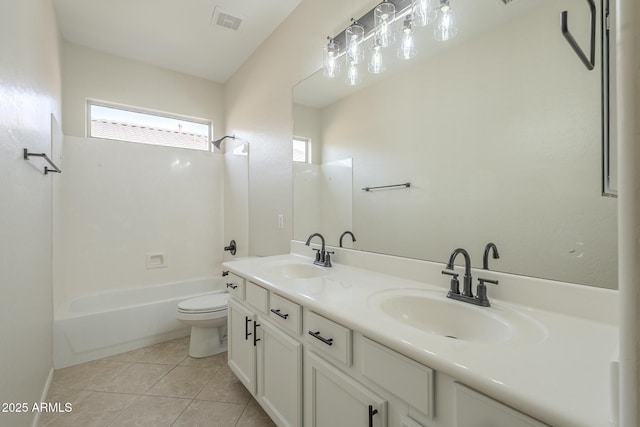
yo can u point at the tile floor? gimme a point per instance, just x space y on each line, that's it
155 386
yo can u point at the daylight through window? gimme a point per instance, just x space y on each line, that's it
126 124
301 150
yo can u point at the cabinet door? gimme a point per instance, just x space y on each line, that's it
476 410
240 344
280 375
336 400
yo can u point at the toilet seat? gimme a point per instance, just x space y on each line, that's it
211 303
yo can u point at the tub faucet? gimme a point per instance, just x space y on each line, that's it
467 294
353 238
323 257
485 258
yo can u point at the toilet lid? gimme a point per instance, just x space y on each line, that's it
211 302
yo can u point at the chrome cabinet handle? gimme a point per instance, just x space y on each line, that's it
316 335
231 285
277 312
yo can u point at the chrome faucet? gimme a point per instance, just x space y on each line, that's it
353 238
323 257
485 258
467 294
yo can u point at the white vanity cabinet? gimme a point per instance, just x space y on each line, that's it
477 410
336 399
267 360
280 375
241 350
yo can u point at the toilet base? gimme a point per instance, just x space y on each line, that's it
206 342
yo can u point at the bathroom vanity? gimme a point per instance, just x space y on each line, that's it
373 341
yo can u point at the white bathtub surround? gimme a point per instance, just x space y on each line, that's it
107 323
561 377
129 208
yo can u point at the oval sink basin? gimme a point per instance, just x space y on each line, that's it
434 313
295 270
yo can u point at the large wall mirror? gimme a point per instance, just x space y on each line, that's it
499 133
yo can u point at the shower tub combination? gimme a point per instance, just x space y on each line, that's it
108 323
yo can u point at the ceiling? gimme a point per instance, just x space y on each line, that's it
179 35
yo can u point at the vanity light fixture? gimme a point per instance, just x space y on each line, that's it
407 49
377 30
445 27
353 74
423 12
384 16
376 64
331 63
354 35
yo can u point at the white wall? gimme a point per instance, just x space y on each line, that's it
121 201
29 96
90 74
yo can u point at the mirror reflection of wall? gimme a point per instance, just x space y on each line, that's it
500 137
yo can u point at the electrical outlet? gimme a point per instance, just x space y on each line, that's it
280 221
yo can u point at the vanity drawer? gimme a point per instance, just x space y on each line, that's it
406 378
257 297
329 337
235 285
285 313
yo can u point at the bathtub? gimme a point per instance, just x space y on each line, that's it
108 323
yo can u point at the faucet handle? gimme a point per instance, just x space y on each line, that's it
327 258
481 291
455 283
317 254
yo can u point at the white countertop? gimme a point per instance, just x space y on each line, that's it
562 379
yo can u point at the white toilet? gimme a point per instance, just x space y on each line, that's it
207 316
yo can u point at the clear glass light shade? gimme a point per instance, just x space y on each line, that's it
353 74
384 15
445 27
407 49
354 35
424 12
331 63
376 63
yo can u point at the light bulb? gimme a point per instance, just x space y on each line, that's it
423 12
383 16
376 64
445 28
331 63
353 75
407 49
354 35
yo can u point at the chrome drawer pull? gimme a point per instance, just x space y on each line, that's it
231 285
327 341
277 312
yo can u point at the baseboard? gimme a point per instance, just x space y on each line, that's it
43 397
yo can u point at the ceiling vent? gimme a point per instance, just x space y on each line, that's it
225 19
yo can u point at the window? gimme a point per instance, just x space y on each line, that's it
301 150
146 127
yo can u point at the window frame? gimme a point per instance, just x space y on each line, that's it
162 114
